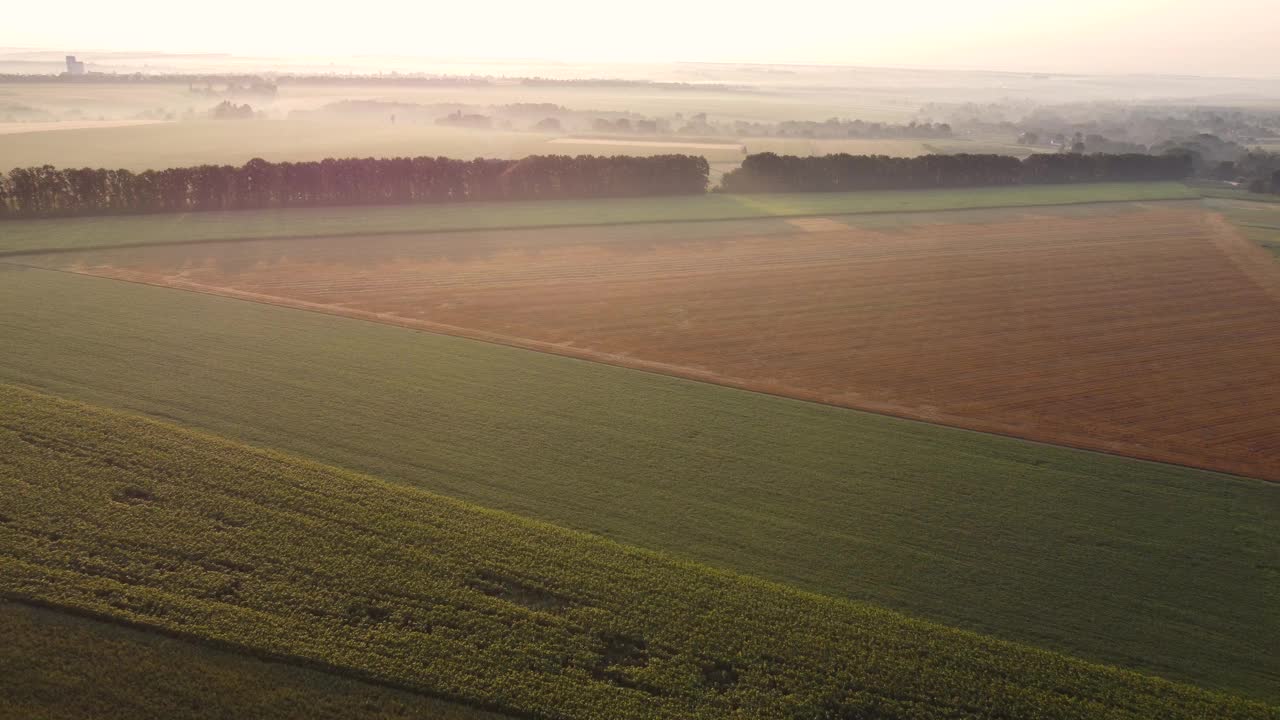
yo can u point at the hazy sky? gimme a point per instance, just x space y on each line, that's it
1168 36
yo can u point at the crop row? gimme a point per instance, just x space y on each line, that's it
153 525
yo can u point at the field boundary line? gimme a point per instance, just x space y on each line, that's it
965 424
1227 196
563 226
257 653
1253 261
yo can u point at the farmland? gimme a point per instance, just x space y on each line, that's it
16 128
290 133
1257 218
1051 312
145 145
123 101
148 524
142 145
174 144
26 236
1093 555
58 666
369 381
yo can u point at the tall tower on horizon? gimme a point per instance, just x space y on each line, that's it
74 67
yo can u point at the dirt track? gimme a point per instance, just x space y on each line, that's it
1154 334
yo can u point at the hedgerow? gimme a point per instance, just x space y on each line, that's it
152 525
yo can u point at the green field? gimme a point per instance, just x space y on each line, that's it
1165 569
58 666
1229 194
78 233
146 523
1259 220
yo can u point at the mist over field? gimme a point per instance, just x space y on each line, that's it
150 111
665 361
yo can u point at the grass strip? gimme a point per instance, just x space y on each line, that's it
25 236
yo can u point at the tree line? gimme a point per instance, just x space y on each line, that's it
195 79
50 192
768 172
1263 185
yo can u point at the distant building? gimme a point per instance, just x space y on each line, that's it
74 66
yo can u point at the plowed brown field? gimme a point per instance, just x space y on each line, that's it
1151 331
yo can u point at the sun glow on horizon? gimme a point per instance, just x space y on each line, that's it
1136 36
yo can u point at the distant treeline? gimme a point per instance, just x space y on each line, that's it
768 172
839 128
1261 185
386 79
51 192
108 78
620 83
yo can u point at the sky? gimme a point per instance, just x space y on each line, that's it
1185 37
